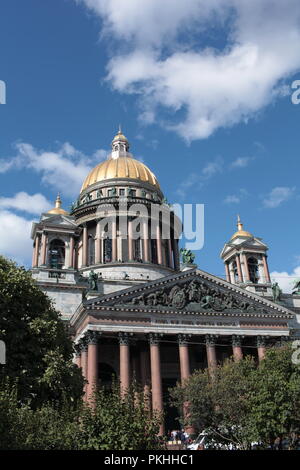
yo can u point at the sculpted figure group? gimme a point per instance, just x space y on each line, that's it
194 295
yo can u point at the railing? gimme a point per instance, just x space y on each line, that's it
56 275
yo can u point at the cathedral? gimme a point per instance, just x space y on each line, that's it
135 310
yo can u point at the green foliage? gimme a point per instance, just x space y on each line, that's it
39 351
119 423
242 403
113 423
275 401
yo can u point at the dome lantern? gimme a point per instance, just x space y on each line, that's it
120 164
120 145
58 209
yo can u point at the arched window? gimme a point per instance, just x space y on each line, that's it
91 250
107 250
56 254
153 244
137 249
253 270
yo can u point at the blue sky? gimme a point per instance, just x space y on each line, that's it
203 95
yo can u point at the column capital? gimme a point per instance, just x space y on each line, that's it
92 337
82 345
77 348
261 341
183 339
237 340
124 338
155 338
211 339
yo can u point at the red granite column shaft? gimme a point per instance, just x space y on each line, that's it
239 269
227 272
98 240
124 362
130 241
36 251
156 382
261 348
114 251
84 366
146 256
246 267
211 353
171 261
145 375
78 359
84 246
44 247
71 252
92 369
237 348
159 245
185 372
175 254
266 269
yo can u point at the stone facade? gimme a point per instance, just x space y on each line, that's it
133 311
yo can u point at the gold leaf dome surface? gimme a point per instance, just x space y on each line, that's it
122 167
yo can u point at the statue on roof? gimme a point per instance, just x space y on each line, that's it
276 292
187 256
296 290
93 278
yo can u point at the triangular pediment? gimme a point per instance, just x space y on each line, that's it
192 291
58 219
244 243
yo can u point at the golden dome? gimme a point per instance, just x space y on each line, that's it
120 136
121 167
57 209
241 232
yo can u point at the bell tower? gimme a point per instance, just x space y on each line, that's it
245 260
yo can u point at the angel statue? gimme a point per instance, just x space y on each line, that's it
187 256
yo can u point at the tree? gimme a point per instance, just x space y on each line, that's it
39 350
219 404
244 403
275 399
113 423
120 422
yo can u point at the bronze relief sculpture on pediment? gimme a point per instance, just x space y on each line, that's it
197 296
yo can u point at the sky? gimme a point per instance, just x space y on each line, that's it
203 91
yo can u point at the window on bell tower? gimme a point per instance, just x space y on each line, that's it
253 270
56 254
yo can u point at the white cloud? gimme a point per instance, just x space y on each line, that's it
277 196
198 179
285 280
35 204
15 242
232 199
241 162
64 169
212 168
163 56
236 198
193 179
